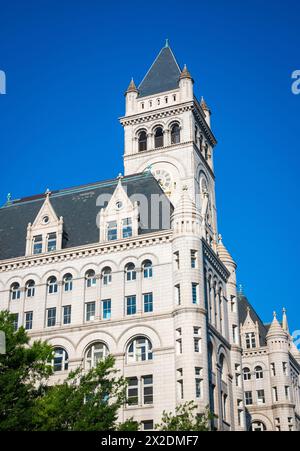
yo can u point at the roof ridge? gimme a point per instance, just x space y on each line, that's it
74 189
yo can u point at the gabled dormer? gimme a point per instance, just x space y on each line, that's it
250 332
119 220
46 232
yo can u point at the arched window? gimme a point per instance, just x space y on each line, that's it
258 426
142 138
259 374
139 350
130 272
52 285
175 134
90 278
30 288
68 282
94 354
147 269
247 374
158 137
15 291
60 361
106 276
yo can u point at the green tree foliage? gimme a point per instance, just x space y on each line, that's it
86 401
22 371
185 419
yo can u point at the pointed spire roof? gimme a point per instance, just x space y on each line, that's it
204 104
163 75
275 329
185 73
285 325
131 87
223 253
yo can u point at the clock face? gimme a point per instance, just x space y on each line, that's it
164 179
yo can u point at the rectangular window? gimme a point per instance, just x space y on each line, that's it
238 376
51 242
198 382
193 259
132 391
127 228
28 320
178 341
273 369
148 302
67 314
240 413
287 393
176 260
250 340
37 244
90 311
197 339
147 389
112 231
51 317
195 293
15 321
261 397
248 398
180 392
106 309
147 425
285 368
275 394
235 334
131 305
178 294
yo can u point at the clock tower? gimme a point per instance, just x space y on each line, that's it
168 132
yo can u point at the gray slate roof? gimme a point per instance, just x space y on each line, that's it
243 305
162 76
78 208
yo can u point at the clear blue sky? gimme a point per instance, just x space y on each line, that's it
68 64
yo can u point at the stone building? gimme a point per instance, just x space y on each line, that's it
135 266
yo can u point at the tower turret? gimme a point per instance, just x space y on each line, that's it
186 85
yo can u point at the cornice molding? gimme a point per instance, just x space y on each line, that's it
86 251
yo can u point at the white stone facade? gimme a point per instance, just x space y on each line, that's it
174 289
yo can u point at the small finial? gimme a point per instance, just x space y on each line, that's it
220 238
47 192
284 310
275 314
167 43
120 176
8 198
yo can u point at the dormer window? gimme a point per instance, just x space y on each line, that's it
142 138
175 134
127 228
37 244
112 231
159 138
51 242
250 340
